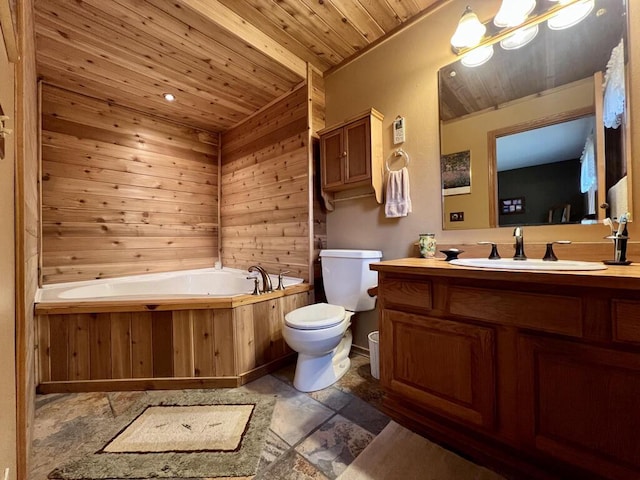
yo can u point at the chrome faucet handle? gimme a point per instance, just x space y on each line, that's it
266 279
494 255
549 256
280 285
256 284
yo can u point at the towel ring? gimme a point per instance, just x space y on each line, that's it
399 153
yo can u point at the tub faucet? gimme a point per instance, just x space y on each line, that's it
518 233
266 279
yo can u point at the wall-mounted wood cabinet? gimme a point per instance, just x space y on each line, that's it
351 157
538 377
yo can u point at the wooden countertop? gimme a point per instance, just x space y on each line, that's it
614 277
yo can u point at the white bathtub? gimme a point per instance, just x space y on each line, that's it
209 282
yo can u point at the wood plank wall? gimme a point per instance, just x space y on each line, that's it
27 231
123 192
264 208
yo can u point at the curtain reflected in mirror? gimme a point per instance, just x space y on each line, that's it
534 122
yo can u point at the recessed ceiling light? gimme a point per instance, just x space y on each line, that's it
169 97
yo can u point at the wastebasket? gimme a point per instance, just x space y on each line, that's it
374 354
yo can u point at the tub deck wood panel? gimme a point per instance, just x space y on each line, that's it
222 345
244 332
120 357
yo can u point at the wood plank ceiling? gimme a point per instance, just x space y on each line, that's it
222 59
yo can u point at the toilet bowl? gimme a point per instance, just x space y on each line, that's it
320 332
321 336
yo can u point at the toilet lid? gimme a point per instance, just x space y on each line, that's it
314 317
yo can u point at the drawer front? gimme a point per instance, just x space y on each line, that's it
626 321
548 313
399 292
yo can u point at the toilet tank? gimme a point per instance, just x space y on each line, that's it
346 277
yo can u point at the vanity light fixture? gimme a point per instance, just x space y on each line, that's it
477 56
571 15
515 26
513 12
169 97
519 38
469 32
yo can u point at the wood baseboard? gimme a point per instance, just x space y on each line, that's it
179 383
132 384
267 368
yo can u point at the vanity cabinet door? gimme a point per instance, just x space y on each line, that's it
444 366
333 155
357 137
579 403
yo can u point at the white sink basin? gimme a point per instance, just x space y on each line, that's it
529 264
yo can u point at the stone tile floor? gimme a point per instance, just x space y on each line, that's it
313 436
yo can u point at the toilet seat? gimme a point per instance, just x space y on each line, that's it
317 316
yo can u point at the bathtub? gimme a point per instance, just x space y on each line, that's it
190 329
208 282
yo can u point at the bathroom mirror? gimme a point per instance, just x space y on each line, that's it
526 119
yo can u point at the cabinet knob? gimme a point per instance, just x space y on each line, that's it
344 154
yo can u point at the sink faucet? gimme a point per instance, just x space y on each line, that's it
518 233
266 279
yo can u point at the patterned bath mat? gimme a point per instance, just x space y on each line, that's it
186 434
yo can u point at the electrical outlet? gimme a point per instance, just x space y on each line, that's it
456 216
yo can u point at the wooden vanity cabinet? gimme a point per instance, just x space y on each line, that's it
443 365
579 403
351 156
537 376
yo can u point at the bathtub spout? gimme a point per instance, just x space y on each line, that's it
266 279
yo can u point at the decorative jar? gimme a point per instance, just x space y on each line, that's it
427 243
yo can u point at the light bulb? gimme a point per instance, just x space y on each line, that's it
478 56
513 12
519 38
469 32
571 15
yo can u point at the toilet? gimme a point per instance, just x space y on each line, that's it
320 332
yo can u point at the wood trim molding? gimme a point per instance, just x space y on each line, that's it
228 19
9 32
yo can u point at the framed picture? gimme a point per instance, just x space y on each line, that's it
511 206
455 170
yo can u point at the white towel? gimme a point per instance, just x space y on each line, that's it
398 201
